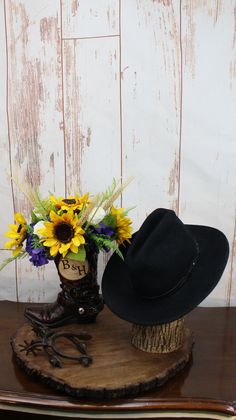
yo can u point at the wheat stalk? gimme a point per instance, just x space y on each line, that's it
117 193
84 217
24 187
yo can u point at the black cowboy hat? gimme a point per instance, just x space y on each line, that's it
168 269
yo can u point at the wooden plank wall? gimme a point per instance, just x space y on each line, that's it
92 89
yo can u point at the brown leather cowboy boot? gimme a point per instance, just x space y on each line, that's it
79 301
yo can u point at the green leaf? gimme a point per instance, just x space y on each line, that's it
41 206
9 260
53 208
28 229
119 253
36 242
103 241
128 210
109 191
34 218
110 220
80 256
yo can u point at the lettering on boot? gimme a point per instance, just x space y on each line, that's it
73 270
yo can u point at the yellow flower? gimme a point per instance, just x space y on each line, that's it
17 233
62 234
123 223
70 203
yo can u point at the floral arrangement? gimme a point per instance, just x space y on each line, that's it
67 226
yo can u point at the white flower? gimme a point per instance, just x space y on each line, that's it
37 226
98 213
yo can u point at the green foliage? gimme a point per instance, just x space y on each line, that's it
10 259
34 218
107 194
110 220
28 229
116 193
99 200
103 241
35 241
125 212
42 206
83 218
80 256
118 251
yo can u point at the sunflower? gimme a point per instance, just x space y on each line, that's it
17 233
123 225
62 234
70 203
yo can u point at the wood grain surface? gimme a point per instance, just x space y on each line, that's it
92 90
205 387
117 370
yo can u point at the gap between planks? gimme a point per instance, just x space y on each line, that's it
181 106
120 102
8 132
90 37
230 281
63 101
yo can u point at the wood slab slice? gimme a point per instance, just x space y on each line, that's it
118 369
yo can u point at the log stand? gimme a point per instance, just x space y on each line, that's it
163 338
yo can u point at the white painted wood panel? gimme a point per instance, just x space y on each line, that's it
35 112
208 178
151 94
83 18
92 120
5 167
231 293
151 103
8 277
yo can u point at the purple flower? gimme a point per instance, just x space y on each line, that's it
104 229
38 255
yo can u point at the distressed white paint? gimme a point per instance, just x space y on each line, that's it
208 181
34 109
231 301
150 94
83 18
8 278
8 281
5 185
151 71
37 284
92 121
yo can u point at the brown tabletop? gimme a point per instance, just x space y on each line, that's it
205 388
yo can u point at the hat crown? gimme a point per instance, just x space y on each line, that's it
161 255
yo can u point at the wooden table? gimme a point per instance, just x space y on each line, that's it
206 388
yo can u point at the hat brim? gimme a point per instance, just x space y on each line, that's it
122 299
